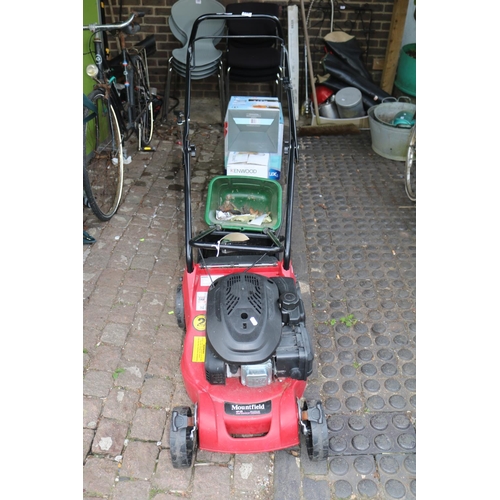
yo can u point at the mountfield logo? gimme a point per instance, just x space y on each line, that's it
247 409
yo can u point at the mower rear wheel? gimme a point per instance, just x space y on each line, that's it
317 432
179 307
182 437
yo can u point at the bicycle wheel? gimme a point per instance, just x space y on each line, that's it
102 156
143 101
411 166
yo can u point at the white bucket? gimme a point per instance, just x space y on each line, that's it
388 141
349 103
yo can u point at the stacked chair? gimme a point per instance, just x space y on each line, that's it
208 59
253 59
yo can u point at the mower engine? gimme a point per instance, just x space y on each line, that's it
255 329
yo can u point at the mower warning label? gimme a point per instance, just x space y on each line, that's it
200 323
247 409
199 346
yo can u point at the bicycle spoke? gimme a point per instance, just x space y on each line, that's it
144 102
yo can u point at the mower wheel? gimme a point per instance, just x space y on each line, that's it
182 437
317 431
179 307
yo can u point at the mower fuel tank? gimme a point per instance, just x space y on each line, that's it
294 356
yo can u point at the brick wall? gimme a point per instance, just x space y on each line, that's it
368 21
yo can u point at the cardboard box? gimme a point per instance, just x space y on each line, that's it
253 137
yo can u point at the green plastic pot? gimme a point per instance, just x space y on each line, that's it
406 76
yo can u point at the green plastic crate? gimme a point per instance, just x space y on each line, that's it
244 194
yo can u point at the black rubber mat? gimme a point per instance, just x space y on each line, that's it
360 236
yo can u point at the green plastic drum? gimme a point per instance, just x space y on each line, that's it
406 76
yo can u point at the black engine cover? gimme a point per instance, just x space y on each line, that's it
243 318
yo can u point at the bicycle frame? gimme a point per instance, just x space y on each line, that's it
126 117
110 87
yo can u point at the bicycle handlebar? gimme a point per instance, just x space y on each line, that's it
110 27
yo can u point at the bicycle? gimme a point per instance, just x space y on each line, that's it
411 166
114 111
103 168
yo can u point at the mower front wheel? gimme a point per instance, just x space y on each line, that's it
316 431
182 437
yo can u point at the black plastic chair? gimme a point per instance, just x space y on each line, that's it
253 58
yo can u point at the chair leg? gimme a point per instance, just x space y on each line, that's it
222 94
228 92
166 97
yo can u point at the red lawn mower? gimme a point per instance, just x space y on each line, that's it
247 353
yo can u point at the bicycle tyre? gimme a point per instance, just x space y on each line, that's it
143 101
102 157
411 166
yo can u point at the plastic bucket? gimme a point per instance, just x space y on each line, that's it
406 75
349 103
388 141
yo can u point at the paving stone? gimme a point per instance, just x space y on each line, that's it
287 478
157 392
139 460
131 490
130 375
151 304
136 278
253 476
95 317
111 278
121 404
97 383
103 296
313 489
122 313
144 262
213 482
110 437
91 412
88 436
115 334
175 481
99 476
138 349
203 456
105 358
166 496
148 424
